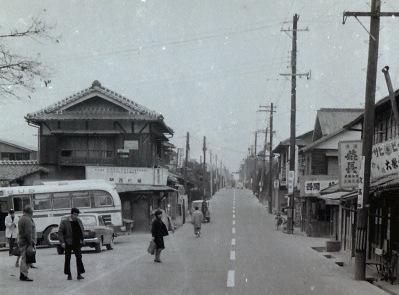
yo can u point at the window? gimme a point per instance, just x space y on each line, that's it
66 153
88 220
15 156
81 199
61 201
102 198
41 201
20 202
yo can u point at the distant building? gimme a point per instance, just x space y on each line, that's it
14 151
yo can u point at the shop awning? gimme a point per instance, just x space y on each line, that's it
333 198
123 188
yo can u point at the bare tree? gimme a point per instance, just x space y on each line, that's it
19 72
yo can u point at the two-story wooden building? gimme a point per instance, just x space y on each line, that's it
99 127
383 229
320 169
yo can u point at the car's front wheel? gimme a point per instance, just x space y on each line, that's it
60 250
99 246
110 246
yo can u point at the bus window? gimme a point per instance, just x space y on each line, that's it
81 199
102 199
41 201
20 202
61 201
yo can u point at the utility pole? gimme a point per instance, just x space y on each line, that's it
204 167
186 161
211 172
368 131
262 177
271 158
293 74
216 172
254 178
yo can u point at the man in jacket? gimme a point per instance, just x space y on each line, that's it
25 239
70 234
196 220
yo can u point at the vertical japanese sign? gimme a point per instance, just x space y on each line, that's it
360 190
180 157
290 182
349 158
385 158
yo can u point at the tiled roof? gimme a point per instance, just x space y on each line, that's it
18 145
12 170
301 140
333 119
57 109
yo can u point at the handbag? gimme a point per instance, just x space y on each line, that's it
15 251
30 254
151 247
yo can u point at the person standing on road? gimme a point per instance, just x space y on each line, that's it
25 239
196 219
158 231
11 223
71 238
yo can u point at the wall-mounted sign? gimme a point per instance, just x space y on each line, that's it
180 157
349 158
128 175
385 158
313 187
131 144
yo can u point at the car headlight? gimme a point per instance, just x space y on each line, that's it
88 234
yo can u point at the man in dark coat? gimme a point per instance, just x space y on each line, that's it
25 240
158 231
70 235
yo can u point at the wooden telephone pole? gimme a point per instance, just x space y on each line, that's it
270 191
293 74
368 131
204 168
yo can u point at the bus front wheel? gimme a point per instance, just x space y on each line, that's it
47 233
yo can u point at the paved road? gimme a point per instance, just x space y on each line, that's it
239 253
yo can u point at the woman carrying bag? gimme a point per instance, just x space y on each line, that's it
158 231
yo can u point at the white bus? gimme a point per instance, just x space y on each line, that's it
52 200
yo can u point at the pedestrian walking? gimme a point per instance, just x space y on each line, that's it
34 235
196 219
25 240
11 223
158 231
70 234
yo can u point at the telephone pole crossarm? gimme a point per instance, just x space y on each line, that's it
368 14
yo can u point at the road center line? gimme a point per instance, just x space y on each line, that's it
234 222
232 255
234 216
233 230
233 241
230 278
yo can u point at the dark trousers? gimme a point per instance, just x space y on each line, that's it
78 255
11 242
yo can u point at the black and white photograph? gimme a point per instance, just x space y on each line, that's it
212 147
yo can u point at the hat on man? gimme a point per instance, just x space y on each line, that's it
11 211
158 212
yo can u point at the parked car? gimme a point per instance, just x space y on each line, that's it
207 216
96 234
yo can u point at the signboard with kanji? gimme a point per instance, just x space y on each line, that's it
291 178
349 158
360 200
385 158
313 187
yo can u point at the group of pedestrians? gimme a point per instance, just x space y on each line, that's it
159 228
21 235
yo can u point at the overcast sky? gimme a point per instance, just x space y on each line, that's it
205 65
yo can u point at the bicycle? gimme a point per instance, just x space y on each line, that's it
389 267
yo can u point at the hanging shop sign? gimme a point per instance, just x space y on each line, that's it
385 158
349 157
